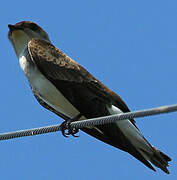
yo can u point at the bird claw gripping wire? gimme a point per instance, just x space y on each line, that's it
66 125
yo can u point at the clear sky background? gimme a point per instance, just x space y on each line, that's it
131 46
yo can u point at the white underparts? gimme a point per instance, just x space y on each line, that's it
132 133
46 90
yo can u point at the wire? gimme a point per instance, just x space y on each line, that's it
90 122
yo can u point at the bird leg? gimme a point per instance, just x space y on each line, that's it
66 125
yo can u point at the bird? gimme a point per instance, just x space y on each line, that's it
66 88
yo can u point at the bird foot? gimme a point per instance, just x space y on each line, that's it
66 125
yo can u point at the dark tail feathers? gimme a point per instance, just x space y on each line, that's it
159 159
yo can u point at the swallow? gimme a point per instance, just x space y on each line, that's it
64 87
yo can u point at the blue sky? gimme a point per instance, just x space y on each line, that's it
131 46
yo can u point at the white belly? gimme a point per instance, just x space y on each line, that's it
46 90
131 132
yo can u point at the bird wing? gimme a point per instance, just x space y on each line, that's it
55 65
70 77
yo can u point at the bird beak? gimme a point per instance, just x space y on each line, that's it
13 27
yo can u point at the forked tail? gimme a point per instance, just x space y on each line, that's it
158 158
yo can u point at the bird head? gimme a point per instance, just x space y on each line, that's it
21 33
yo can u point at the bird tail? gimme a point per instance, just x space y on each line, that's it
158 158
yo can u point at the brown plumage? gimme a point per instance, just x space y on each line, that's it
86 93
